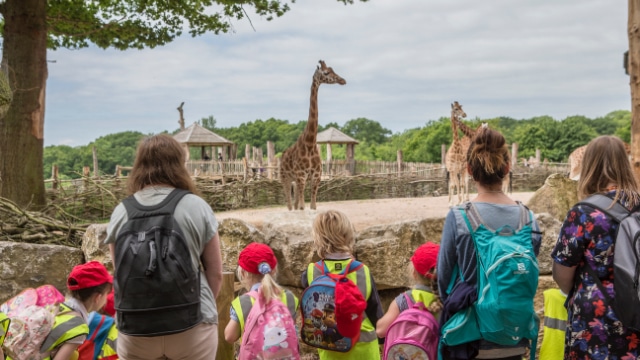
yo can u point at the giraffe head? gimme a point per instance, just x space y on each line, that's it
456 110
325 75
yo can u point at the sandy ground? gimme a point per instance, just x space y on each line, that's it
366 213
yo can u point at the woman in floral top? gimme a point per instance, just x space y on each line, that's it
587 239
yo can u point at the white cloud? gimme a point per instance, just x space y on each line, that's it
404 62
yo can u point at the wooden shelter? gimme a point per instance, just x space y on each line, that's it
335 136
198 136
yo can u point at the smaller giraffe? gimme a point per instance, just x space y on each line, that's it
466 140
575 160
456 159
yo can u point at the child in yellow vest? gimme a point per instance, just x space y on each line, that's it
4 326
422 270
334 241
89 285
256 268
555 325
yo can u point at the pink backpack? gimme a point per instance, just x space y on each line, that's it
269 332
414 334
32 314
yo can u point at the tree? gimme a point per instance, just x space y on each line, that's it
633 26
32 25
366 130
208 122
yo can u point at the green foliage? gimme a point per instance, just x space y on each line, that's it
125 24
366 130
113 149
555 139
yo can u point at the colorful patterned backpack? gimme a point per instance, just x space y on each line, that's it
32 314
269 332
414 334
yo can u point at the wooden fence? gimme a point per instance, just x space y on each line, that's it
94 199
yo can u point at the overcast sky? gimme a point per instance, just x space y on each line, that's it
405 61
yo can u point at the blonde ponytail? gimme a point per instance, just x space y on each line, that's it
270 289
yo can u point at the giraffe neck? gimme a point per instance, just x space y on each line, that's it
311 130
467 131
454 127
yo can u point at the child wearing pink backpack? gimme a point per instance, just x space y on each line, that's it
265 316
423 301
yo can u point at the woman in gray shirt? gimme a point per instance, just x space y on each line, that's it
157 176
488 164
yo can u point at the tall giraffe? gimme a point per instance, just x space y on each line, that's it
456 159
301 161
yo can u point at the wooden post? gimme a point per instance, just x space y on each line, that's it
351 167
86 172
246 168
329 158
271 159
223 301
54 176
181 111
443 155
514 154
633 26
95 163
399 161
537 157
247 151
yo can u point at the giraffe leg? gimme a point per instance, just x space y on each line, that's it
300 184
286 187
315 185
453 187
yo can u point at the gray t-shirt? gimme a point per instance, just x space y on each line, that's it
197 222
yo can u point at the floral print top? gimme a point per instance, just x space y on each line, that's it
587 238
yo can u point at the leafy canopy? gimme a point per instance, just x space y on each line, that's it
137 24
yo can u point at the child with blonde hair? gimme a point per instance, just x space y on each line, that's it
422 270
334 241
256 269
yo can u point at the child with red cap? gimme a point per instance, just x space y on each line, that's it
256 269
101 343
334 241
422 271
89 285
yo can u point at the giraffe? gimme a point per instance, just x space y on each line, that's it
469 134
455 159
575 160
301 161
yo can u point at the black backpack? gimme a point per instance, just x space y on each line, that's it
626 261
157 290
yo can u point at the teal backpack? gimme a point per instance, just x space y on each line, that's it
507 281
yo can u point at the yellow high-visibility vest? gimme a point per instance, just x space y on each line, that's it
555 325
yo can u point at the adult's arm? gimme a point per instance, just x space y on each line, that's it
112 251
447 257
212 261
564 276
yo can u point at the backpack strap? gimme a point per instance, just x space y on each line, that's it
166 206
471 216
607 206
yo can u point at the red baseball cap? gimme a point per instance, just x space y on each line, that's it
349 311
88 275
425 258
109 308
257 258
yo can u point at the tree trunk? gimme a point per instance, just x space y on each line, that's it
634 82
21 130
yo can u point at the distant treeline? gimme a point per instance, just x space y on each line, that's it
555 139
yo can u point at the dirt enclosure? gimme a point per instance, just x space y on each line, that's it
366 213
